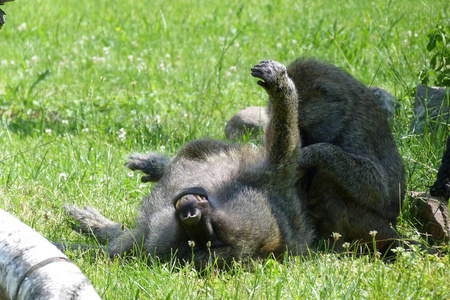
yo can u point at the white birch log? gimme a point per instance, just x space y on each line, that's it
32 268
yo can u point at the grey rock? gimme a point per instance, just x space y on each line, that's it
431 106
387 101
249 121
434 216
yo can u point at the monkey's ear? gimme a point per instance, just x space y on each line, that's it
152 164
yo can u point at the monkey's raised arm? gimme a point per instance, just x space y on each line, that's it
282 139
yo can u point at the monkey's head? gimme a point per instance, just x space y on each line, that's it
215 201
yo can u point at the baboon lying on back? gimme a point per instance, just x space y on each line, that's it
329 164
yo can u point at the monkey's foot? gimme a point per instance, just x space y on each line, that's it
89 221
272 73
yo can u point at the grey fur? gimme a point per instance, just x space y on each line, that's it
328 157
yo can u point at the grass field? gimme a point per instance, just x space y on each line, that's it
85 83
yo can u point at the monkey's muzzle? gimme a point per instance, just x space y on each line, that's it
189 208
193 211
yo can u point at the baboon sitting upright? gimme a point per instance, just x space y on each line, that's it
350 172
329 164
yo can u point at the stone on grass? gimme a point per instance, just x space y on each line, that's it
248 122
431 106
433 214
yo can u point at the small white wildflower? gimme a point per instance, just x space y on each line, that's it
233 68
295 42
157 119
4 62
63 176
134 43
85 129
13 63
130 174
373 233
34 59
346 245
162 67
106 50
142 186
22 27
237 45
65 122
122 135
162 148
167 55
335 236
279 45
48 131
191 244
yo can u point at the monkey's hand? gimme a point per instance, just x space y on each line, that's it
272 73
152 164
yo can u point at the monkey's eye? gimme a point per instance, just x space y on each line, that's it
190 196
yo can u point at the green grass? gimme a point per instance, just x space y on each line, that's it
84 83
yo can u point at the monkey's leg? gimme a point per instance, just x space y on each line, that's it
361 177
282 135
91 222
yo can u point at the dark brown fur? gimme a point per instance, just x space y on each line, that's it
352 174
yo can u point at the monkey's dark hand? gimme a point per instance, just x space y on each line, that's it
271 72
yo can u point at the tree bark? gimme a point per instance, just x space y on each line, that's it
32 268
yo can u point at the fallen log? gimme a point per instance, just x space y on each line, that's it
32 268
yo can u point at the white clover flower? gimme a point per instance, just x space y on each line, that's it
63 176
335 236
122 135
22 27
